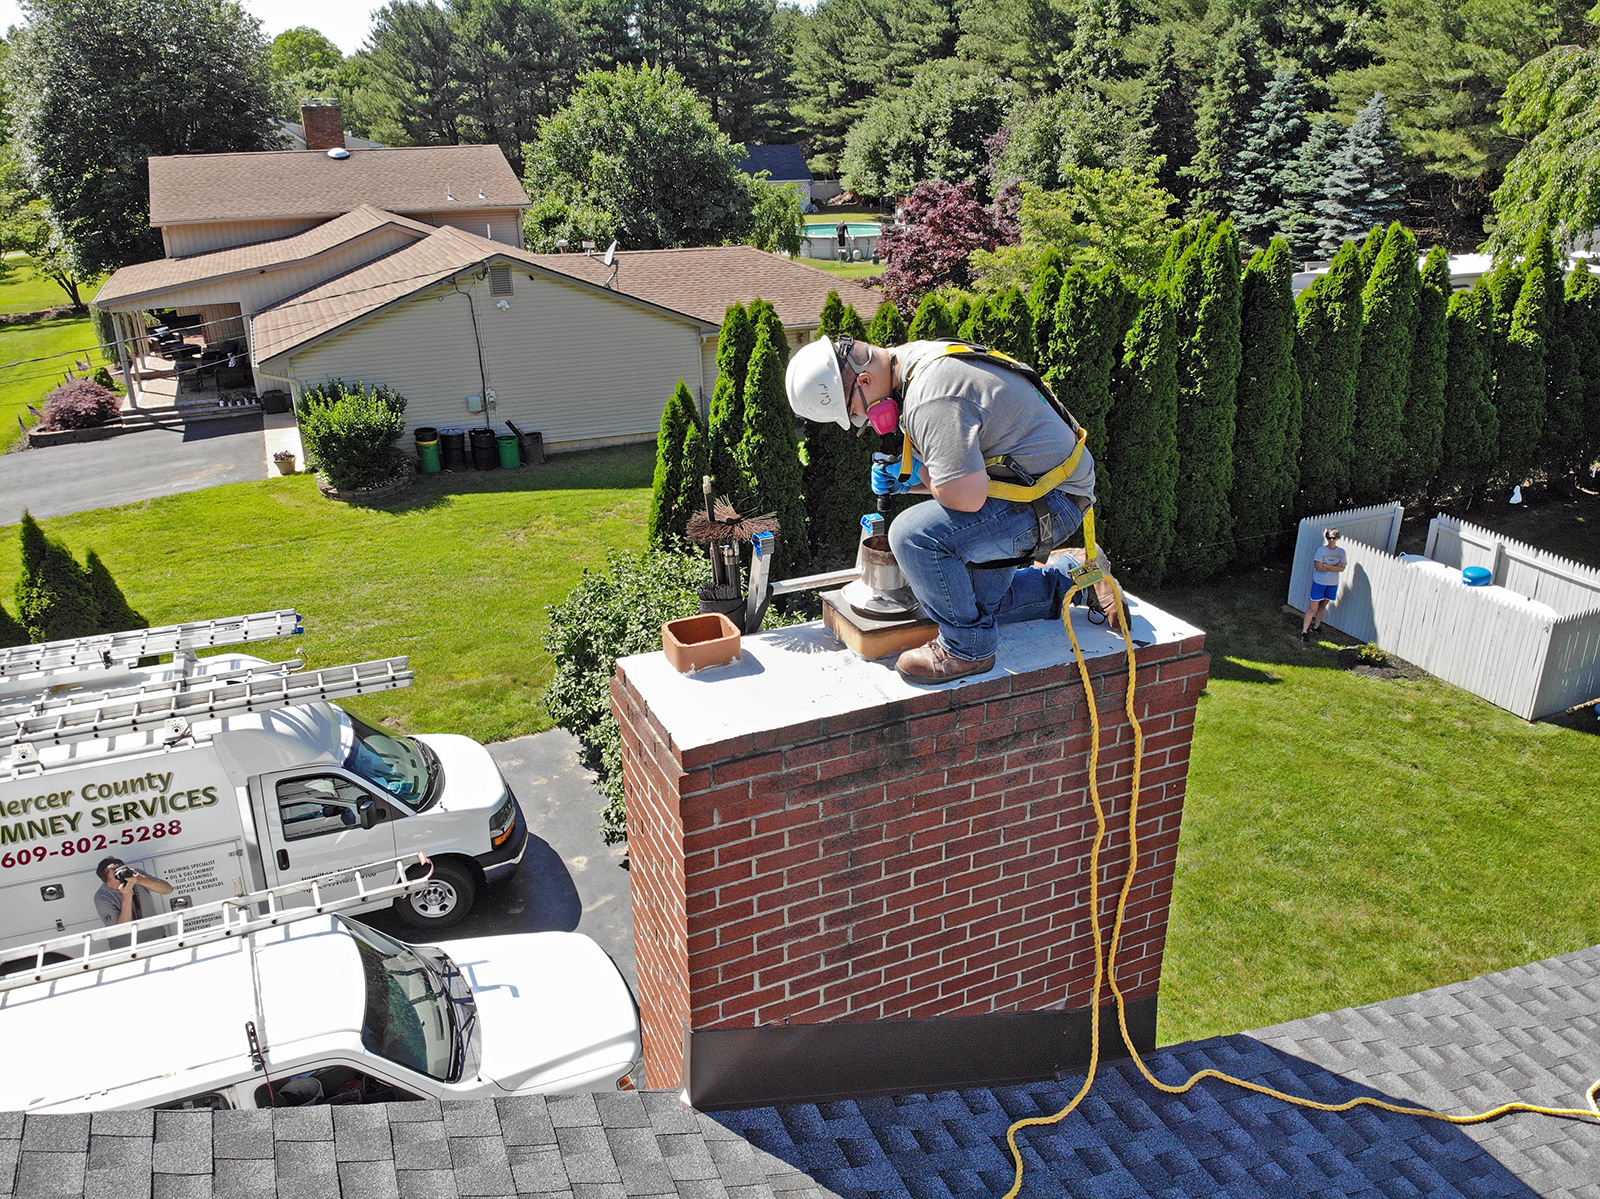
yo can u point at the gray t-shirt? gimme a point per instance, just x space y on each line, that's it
1334 556
108 903
959 412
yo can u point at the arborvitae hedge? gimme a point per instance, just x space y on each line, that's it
1519 366
1423 427
769 456
1042 304
725 425
1583 326
1207 290
1562 441
832 310
888 327
1264 456
851 324
838 469
1011 324
1093 312
1471 444
1139 526
932 319
1389 306
679 467
1328 350
54 600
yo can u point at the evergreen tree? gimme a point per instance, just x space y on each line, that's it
1267 150
975 323
1264 458
768 456
1583 326
1365 184
851 324
1010 324
11 630
1423 428
1328 351
1143 455
1519 366
116 614
1092 316
832 310
1561 443
931 320
725 426
1371 247
838 489
1388 340
1042 298
1226 102
888 327
677 474
762 313
960 307
1207 290
1471 442
1166 109
1303 183
53 597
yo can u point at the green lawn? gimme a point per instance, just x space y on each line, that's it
1346 839
846 270
457 573
24 289
60 342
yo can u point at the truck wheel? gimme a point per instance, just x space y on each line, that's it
444 902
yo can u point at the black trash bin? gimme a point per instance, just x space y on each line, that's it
485 449
531 445
453 444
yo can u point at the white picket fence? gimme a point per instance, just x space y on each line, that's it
1529 643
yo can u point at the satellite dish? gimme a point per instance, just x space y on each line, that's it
611 254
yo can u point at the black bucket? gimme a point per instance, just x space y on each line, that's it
485 449
531 445
453 445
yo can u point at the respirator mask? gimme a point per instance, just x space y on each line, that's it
883 415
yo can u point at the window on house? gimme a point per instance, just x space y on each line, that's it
500 281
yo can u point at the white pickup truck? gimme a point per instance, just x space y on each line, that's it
277 999
226 775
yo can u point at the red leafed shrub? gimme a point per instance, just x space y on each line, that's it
79 404
937 226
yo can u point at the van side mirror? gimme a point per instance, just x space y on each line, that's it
371 813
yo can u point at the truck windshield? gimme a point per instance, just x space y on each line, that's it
406 769
408 1019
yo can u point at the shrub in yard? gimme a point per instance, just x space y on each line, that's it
1372 654
350 431
79 404
608 616
54 599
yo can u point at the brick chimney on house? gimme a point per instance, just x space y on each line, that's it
324 124
846 885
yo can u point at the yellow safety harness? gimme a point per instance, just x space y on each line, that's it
1001 488
1105 957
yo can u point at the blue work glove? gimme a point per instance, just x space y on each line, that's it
886 475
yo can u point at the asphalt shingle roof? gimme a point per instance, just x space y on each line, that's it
1528 1033
307 183
786 161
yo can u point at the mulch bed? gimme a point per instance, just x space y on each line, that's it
1394 668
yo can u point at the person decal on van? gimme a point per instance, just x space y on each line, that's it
117 900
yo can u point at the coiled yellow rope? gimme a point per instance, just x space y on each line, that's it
1105 961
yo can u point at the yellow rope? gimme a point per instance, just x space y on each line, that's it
1105 961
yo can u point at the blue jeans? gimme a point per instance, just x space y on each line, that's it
935 547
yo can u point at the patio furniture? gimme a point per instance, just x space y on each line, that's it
185 351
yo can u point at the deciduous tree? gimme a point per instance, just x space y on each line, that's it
941 225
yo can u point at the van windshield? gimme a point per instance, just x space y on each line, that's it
406 769
408 1019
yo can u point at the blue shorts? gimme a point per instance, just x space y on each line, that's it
1323 591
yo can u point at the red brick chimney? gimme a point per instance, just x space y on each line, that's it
324 124
846 885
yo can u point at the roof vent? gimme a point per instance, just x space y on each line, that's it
338 152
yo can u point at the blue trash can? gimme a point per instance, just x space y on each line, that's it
1477 576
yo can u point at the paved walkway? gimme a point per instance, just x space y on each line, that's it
146 465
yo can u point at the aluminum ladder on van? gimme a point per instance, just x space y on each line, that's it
77 717
237 917
52 658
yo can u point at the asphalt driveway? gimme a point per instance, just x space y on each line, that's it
138 466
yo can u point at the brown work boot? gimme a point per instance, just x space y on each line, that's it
932 663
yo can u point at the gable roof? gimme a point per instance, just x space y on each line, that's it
706 281
361 293
307 183
780 161
148 279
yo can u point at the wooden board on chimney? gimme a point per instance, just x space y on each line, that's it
870 637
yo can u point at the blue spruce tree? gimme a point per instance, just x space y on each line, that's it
1267 152
1365 186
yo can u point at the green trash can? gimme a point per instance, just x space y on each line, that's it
428 456
509 457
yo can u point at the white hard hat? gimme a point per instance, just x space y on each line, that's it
816 385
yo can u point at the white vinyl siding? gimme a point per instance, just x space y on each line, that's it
568 362
503 225
204 236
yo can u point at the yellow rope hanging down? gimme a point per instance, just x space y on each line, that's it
1105 961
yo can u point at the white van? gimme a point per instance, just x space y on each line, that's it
268 1004
224 776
